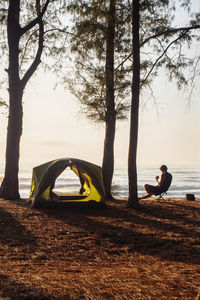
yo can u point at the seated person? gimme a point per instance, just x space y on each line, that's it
163 184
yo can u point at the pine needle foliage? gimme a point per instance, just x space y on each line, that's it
88 47
163 44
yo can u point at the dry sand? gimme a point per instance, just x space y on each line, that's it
101 253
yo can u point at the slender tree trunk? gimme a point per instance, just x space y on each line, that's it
10 188
132 157
108 155
108 159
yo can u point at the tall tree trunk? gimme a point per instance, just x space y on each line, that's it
132 157
108 155
108 159
10 187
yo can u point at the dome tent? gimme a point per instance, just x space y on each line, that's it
44 177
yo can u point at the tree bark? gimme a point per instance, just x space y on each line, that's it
108 155
10 187
108 158
132 157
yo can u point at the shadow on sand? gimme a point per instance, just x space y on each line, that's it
12 232
12 289
157 230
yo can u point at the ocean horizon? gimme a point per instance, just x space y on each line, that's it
186 179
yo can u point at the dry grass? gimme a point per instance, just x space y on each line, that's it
92 253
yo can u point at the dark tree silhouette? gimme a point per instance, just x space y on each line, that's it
135 90
110 118
16 85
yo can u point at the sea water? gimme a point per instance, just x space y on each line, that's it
186 179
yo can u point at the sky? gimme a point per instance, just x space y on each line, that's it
53 127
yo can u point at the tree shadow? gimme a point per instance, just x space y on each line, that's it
188 207
11 289
160 238
12 232
170 212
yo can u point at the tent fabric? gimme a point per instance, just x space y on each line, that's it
44 177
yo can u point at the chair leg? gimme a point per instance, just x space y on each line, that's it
161 196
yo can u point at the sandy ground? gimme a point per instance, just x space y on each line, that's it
101 253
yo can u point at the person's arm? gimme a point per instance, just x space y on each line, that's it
162 179
157 180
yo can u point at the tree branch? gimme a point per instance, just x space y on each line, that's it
192 84
165 32
37 59
60 30
3 103
36 20
170 31
157 60
25 47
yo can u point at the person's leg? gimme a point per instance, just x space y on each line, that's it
148 190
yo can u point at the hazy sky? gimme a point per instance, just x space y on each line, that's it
168 133
54 128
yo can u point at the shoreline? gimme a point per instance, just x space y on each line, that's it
119 200
165 198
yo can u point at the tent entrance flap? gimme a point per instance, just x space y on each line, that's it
46 178
67 184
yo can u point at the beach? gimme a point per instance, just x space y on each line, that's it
101 253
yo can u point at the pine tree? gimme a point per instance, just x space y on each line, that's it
156 36
160 38
101 41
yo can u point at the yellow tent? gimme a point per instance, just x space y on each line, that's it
44 176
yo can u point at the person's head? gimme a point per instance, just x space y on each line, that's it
163 168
